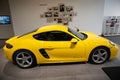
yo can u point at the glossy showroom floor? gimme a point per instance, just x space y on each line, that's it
74 71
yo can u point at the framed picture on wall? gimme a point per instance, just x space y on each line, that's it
71 14
55 19
70 19
65 21
62 7
59 20
50 9
69 8
65 15
56 9
48 14
56 14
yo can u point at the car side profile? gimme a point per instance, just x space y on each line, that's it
58 44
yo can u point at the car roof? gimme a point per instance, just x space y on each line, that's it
52 27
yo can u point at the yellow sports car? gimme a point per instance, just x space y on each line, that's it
58 44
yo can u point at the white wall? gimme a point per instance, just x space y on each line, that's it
112 8
6 31
26 14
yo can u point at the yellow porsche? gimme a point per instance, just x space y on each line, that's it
58 44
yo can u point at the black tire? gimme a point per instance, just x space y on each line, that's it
24 59
99 55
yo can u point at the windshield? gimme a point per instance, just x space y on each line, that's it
78 34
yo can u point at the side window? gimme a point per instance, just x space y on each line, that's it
41 36
53 36
59 36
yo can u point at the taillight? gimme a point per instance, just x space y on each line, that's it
9 46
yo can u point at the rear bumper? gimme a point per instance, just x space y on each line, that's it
8 53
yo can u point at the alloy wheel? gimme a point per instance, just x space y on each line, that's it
99 55
24 59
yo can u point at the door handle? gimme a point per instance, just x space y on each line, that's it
49 48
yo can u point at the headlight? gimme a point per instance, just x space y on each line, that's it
112 43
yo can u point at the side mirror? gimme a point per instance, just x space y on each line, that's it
74 41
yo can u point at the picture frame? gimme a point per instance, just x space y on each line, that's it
66 14
48 14
65 20
70 19
62 7
69 8
56 9
56 14
65 23
71 14
59 20
61 14
50 9
55 19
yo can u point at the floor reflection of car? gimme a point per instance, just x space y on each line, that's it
58 44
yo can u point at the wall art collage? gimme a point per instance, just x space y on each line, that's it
61 14
111 26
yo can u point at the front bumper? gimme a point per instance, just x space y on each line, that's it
114 51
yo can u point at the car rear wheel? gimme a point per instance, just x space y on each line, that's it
99 55
24 59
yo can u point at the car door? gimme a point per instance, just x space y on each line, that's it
58 45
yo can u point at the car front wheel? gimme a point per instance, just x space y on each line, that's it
24 59
99 55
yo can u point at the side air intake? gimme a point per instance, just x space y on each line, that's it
44 54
